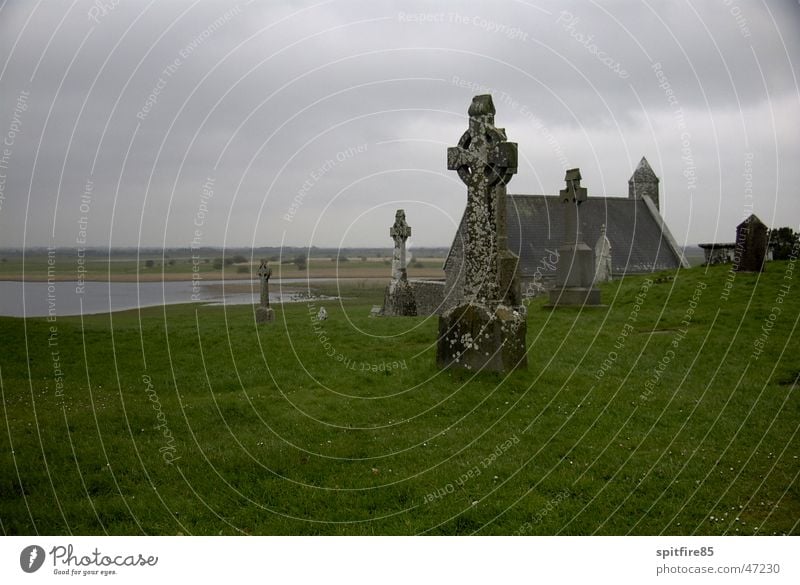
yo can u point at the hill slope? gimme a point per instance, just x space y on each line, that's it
675 410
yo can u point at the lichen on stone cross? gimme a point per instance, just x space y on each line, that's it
485 162
264 273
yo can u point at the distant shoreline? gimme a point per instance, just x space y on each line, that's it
177 277
171 277
52 267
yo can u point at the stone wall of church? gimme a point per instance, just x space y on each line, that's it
429 295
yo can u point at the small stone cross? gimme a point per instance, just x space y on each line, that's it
264 272
573 195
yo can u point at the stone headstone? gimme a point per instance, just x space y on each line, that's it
487 330
751 245
399 299
322 314
576 268
602 255
264 313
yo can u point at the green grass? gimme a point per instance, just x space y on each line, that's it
273 436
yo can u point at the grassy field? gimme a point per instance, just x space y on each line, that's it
155 268
651 416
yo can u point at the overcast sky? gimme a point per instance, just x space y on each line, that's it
309 123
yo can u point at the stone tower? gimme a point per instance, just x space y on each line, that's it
643 182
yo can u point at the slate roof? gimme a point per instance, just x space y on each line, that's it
536 225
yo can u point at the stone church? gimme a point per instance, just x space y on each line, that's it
640 239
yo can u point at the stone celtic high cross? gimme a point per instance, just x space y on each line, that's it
485 162
264 273
398 301
575 275
264 313
486 330
399 232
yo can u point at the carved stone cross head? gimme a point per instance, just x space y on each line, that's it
400 229
264 271
574 193
483 157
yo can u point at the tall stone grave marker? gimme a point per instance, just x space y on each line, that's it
398 301
751 245
487 330
264 313
602 256
576 269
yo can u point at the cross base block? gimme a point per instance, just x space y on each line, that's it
265 314
574 297
398 301
477 337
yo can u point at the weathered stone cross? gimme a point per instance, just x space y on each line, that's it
399 299
573 196
575 275
399 232
485 162
485 331
264 272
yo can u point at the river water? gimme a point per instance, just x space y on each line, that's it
36 299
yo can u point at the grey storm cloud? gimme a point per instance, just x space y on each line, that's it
309 123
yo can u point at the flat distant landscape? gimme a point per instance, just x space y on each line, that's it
669 411
694 255
154 266
175 265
